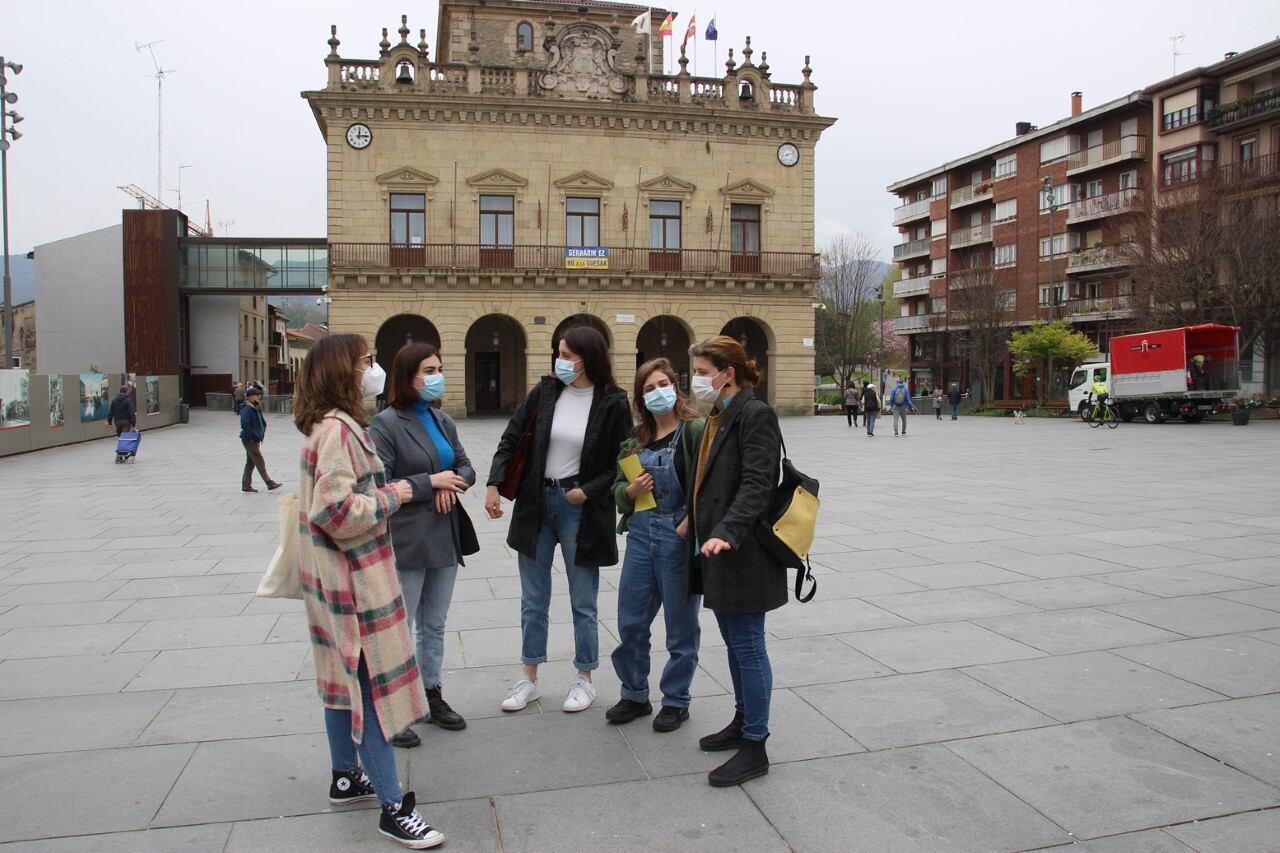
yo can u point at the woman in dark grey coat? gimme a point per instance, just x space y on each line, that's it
735 477
419 443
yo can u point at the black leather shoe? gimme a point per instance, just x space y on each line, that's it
750 761
669 719
626 711
406 739
441 714
730 737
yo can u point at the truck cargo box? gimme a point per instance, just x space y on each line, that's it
1193 361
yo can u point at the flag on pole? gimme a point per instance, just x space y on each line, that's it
643 24
666 28
692 31
712 34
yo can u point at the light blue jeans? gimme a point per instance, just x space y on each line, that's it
427 595
560 521
377 756
750 670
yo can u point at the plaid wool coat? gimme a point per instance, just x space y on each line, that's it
349 580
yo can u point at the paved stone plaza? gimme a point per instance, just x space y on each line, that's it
1024 637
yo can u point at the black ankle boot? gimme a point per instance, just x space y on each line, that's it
730 737
441 714
750 761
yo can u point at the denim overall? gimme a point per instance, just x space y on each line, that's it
653 577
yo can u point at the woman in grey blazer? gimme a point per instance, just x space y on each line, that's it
419 443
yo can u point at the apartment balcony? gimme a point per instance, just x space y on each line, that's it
917 286
1111 204
1094 307
1241 174
911 249
974 194
914 323
1107 154
1258 106
970 236
1099 258
912 211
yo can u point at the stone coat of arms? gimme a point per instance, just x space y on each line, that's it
582 64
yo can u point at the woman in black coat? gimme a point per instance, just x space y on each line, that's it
565 496
735 477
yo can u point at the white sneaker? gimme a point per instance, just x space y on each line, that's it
522 693
580 696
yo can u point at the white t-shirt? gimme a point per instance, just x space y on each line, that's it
568 430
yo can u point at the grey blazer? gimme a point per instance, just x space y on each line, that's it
422 537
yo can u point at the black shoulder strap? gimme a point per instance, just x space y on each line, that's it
801 576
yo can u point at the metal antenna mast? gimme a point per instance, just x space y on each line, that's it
159 76
1177 42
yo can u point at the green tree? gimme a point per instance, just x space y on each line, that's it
1045 344
843 322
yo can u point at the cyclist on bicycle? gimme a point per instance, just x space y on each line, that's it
1099 391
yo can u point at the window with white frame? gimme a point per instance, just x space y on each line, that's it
939 305
1006 166
1093 189
1062 243
1009 299
1056 149
937 228
1063 194
1129 180
939 186
1053 294
938 266
1005 210
1129 127
1006 256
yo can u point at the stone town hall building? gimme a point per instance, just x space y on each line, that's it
535 173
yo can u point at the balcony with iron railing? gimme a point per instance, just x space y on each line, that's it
1257 106
1099 206
913 210
1100 306
971 236
1107 154
911 249
917 286
1100 258
974 194
1245 172
914 323
449 257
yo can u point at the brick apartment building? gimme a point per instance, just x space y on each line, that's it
1051 216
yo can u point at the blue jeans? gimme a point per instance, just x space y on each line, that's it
869 416
749 668
899 415
377 756
427 594
955 410
560 520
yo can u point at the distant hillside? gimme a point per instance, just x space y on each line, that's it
23 273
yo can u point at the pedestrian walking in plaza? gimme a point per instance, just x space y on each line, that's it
366 674
578 419
937 403
418 443
735 475
851 397
953 397
655 568
253 430
123 414
900 403
870 406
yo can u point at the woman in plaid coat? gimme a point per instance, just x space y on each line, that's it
366 674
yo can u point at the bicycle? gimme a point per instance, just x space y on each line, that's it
1102 412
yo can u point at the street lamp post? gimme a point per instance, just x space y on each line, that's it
8 118
1051 199
881 359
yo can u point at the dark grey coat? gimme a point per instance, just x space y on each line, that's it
422 537
736 491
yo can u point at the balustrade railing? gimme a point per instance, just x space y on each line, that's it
1252 106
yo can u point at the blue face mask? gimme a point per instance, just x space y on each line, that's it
432 387
566 370
660 401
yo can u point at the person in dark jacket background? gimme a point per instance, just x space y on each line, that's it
565 496
253 429
734 480
123 414
870 406
953 397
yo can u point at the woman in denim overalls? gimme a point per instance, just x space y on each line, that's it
654 571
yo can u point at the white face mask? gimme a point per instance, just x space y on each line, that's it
703 387
373 380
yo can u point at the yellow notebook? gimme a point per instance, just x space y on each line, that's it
632 468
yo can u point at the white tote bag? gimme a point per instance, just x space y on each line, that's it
282 579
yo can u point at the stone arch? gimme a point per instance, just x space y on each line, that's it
757 338
495 364
666 336
399 330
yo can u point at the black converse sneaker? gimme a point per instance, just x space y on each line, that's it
350 786
403 823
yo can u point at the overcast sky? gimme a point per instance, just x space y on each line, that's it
912 85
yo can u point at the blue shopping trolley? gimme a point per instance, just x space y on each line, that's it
127 446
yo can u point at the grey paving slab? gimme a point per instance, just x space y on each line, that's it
923 647
947 605
1238 548
235 711
838 585
1244 733
185 607
138 780
661 814
71 613
1234 665
206 838
160 568
64 640
69 676
1061 593
1062 564
1106 777
59 593
1175 581
172 587
876 558
70 723
202 632
60 568
1148 841
1272 636
796 662
1089 685
1268 597
494 646
1197 615
915 799
952 575
820 617
1253 832
217 666
1151 556
1064 632
905 710
1258 569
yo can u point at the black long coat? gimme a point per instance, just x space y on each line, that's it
608 425
737 488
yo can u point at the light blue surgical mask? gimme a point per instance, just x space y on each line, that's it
566 370
432 387
660 401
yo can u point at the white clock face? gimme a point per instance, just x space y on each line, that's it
359 136
788 154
